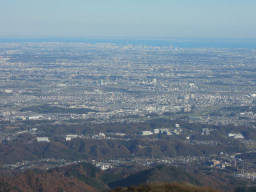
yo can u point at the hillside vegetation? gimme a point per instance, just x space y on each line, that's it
175 187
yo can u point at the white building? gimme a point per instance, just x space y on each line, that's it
42 139
8 90
156 131
70 137
236 135
146 133
120 134
36 117
104 166
102 135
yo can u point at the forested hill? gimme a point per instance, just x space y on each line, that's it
175 187
85 177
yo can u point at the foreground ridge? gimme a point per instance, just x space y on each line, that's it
164 187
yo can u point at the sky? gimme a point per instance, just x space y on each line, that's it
128 18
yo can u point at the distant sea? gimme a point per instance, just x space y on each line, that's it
179 43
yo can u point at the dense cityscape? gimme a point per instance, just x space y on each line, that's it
118 105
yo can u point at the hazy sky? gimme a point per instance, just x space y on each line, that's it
141 18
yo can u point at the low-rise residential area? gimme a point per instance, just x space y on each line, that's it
116 105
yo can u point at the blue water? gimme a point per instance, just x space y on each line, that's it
180 43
